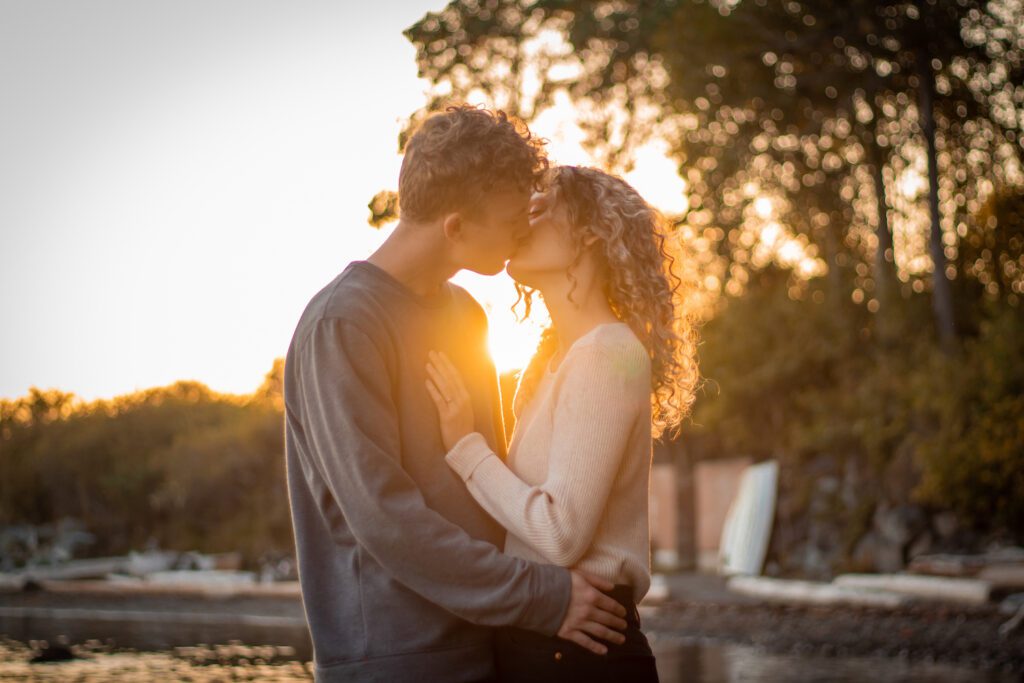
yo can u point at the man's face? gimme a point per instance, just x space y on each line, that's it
549 247
490 234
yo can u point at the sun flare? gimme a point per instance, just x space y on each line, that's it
511 343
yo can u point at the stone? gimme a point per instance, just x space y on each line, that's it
921 545
889 558
814 564
945 524
874 552
864 552
1012 603
899 524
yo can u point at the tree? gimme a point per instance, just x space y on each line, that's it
728 82
884 139
180 464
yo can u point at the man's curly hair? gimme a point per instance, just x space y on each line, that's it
642 286
456 157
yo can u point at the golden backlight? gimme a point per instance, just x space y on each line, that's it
654 175
510 342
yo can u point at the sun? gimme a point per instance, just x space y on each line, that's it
511 343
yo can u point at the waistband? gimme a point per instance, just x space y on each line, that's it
623 594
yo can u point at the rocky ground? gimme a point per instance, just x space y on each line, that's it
927 634
702 608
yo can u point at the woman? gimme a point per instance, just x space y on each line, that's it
616 367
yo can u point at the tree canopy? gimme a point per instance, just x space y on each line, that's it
854 180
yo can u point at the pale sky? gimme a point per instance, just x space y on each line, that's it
177 179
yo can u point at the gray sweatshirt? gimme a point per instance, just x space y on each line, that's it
400 568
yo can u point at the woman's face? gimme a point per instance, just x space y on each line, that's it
547 249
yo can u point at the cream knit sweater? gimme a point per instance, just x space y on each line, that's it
574 489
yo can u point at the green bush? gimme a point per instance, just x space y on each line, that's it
973 458
810 381
179 465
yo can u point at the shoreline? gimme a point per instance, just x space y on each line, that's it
699 610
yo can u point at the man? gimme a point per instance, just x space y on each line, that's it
401 572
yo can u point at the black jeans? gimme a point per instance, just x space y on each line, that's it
529 656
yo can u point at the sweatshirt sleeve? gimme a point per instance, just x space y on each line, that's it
352 427
596 409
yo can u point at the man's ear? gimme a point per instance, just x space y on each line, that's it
452 227
590 240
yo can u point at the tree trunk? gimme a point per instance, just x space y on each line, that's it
885 257
942 294
834 279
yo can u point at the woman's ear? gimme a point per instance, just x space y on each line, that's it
590 240
452 227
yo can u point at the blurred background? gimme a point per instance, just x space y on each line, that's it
846 187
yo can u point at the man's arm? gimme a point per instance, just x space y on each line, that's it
352 428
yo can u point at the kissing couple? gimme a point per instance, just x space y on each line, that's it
429 547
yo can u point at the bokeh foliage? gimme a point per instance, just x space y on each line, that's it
855 205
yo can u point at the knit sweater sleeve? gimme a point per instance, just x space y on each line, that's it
599 395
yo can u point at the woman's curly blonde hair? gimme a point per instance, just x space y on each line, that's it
642 286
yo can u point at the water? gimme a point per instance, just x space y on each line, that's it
687 661
678 661
163 639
